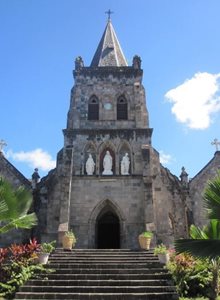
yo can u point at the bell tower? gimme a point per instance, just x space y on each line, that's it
105 160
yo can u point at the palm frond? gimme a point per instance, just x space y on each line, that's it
3 206
24 201
212 198
18 203
7 195
24 222
197 233
199 248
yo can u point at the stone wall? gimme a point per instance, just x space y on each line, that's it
197 186
11 174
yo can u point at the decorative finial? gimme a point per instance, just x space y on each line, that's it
2 145
216 143
109 12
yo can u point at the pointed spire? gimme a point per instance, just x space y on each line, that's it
109 52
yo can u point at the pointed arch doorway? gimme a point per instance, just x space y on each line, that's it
108 230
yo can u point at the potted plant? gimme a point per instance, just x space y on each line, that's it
163 253
45 250
145 239
69 240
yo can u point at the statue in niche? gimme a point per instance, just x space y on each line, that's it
107 164
90 165
125 163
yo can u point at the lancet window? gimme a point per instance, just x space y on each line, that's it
122 108
93 108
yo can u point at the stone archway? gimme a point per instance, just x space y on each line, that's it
108 230
99 216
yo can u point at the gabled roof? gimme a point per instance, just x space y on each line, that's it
10 173
109 52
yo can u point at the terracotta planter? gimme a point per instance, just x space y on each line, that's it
144 242
68 242
164 258
43 258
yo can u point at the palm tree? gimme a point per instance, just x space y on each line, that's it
205 243
14 207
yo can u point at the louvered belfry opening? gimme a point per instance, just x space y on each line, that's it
122 109
93 109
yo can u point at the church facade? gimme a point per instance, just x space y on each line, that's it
108 185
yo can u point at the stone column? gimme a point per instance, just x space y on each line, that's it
148 190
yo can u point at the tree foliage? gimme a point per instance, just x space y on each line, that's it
14 207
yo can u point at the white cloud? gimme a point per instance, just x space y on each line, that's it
195 100
37 158
165 159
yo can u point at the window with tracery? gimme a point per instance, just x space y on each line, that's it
93 109
122 109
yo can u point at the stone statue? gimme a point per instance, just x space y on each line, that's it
79 63
35 178
90 165
184 177
125 163
136 62
107 164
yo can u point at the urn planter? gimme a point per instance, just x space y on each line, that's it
145 240
69 240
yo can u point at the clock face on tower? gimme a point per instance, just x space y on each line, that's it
108 106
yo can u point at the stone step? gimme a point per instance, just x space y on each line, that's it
117 276
105 253
101 260
138 251
109 270
93 257
97 289
98 296
105 265
99 282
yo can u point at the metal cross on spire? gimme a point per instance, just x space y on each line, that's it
109 13
2 145
216 143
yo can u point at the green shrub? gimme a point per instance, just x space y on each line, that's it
17 265
192 276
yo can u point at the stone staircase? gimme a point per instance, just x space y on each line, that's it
102 275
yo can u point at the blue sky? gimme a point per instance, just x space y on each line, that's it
179 44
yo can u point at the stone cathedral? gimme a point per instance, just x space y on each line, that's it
108 185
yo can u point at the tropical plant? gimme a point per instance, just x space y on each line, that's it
191 276
14 207
17 265
205 243
211 198
47 247
70 234
160 249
